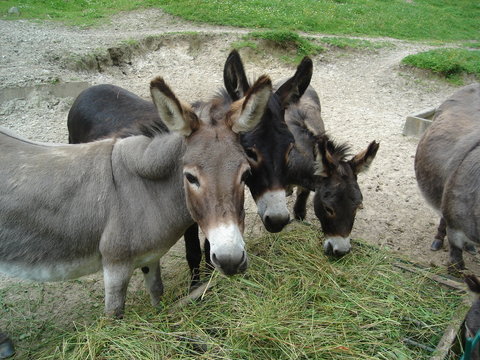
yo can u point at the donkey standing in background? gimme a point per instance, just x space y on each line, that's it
447 166
318 164
119 204
107 110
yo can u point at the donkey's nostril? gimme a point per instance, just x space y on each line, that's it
214 257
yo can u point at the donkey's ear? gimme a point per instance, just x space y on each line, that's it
361 162
176 116
234 77
325 163
252 106
292 90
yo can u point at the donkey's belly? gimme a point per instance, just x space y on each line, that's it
55 271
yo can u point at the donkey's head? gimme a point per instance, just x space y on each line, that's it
337 194
269 144
215 167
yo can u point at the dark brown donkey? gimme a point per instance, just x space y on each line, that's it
447 166
119 204
107 110
318 164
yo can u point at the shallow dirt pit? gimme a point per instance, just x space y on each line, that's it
365 96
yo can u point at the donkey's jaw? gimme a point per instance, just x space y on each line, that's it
227 249
337 245
272 208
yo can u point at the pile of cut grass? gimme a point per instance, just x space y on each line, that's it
452 63
293 303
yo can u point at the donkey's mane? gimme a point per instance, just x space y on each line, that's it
340 152
152 129
216 107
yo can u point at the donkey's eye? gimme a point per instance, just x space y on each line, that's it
192 179
251 154
330 212
245 176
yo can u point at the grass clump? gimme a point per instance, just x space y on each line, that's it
293 303
78 12
355 44
293 46
451 63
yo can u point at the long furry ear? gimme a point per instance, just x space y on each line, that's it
252 106
362 161
176 116
292 90
234 77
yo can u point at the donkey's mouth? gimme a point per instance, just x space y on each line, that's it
229 265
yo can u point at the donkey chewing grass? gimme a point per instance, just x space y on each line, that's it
120 204
317 164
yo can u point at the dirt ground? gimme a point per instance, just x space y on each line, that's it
365 96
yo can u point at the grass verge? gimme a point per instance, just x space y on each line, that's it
292 46
355 44
293 303
451 63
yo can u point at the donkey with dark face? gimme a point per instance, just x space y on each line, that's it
318 164
447 164
120 204
267 146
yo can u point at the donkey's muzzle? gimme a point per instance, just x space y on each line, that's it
275 223
229 264
273 210
337 246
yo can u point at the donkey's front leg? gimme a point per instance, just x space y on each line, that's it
300 207
116 277
153 281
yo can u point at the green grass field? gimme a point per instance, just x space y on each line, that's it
444 20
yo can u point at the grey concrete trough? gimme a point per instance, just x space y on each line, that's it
416 124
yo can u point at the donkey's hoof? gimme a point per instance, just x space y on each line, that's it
436 245
6 347
470 248
455 268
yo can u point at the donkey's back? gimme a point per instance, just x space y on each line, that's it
105 110
51 218
447 139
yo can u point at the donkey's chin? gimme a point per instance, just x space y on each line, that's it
337 246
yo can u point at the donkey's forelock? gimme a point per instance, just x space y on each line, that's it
214 110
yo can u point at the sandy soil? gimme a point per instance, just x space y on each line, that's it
365 96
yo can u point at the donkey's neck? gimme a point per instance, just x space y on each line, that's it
158 163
